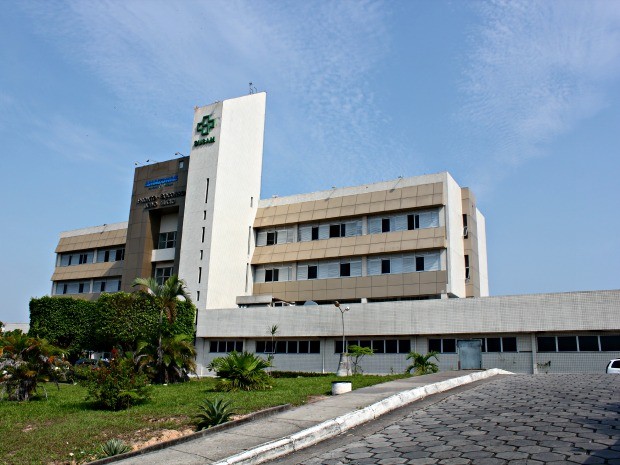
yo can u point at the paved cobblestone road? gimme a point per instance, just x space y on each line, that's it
518 419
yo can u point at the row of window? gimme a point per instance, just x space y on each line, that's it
224 346
288 347
578 343
84 287
376 225
489 344
92 256
378 346
350 267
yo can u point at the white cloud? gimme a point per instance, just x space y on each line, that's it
536 70
315 58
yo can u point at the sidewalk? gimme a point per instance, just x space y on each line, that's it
269 437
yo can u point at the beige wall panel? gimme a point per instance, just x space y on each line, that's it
291 296
376 248
349 283
378 281
377 292
377 207
347 251
347 294
332 294
363 292
394 194
305 216
281 210
410 191
319 215
292 217
333 213
348 210
317 254
391 205
362 209
411 278
427 277
425 189
331 284
304 255
425 201
361 249
407 203
395 291
394 279
305 285
319 285
334 202
349 200
411 289
365 281
391 247
428 289
305 295
395 236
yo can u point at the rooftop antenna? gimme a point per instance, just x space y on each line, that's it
137 163
179 154
252 89
151 161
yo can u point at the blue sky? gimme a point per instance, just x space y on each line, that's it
518 100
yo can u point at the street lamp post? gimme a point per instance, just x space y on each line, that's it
344 367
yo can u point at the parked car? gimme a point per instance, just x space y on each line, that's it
613 366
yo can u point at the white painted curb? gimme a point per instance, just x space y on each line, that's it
331 428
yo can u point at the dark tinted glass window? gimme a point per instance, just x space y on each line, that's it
315 347
493 344
391 346
410 222
434 345
449 345
404 346
260 347
313 271
385 225
338 348
345 269
334 230
419 263
230 346
378 346
567 344
315 233
292 347
280 347
213 346
268 276
385 266
271 238
509 344
588 343
365 344
610 343
120 255
239 346
304 347
546 344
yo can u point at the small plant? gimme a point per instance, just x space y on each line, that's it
422 363
241 371
213 412
114 447
117 386
358 353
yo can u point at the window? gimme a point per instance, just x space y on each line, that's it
419 263
379 346
289 347
465 230
272 273
466 266
313 271
83 258
493 344
225 346
385 225
162 274
167 240
110 255
509 344
567 344
610 343
314 232
385 266
80 258
403 222
588 343
271 238
546 344
345 269
274 236
443 345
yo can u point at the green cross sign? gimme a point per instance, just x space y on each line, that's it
205 126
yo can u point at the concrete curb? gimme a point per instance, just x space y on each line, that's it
335 426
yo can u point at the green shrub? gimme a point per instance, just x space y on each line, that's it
422 364
241 371
25 362
117 386
358 353
213 412
114 447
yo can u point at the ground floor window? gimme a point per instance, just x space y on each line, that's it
442 345
162 274
225 346
499 344
288 347
589 343
378 346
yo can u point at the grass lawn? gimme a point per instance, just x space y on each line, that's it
48 431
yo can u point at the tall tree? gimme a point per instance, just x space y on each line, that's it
166 296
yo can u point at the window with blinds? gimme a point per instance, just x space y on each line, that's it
272 273
315 232
343 268
275 236
404 263
403 221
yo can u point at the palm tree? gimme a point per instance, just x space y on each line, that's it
166 296
422 363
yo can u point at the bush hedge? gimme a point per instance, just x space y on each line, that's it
113 320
